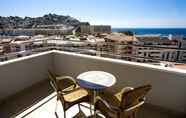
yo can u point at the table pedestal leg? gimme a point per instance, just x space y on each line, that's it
94 102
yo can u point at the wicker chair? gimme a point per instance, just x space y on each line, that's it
68 92
123 104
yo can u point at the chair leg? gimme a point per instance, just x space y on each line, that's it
90 110
56 106
79 107
64 114
56 115
56 109
134 115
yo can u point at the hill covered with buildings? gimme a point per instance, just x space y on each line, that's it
14 22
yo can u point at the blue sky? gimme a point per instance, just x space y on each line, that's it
118 13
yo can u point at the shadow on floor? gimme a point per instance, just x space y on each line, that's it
151 111
24 99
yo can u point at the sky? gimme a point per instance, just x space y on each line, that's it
117 13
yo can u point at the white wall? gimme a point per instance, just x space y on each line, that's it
18 74
169 86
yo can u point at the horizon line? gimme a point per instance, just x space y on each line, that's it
150 27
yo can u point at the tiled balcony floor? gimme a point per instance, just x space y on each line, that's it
43 96
47 111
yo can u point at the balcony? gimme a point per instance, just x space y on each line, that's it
24 83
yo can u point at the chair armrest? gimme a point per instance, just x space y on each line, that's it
53 86
65 77
104 101
135 106
61 78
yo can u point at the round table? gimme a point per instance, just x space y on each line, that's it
96 80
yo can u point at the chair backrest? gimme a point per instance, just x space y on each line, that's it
54 83
53 80
135 96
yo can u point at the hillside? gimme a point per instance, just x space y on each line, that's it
13 22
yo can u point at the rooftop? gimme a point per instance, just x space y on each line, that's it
120 37
181 66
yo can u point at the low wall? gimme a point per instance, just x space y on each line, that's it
18 74
169 85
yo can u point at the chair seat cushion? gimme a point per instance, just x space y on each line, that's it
75 95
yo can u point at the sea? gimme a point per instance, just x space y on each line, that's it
160 31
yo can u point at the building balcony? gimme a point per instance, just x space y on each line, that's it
24 84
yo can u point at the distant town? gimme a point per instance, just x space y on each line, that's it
25 36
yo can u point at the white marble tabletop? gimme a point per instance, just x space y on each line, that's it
96 79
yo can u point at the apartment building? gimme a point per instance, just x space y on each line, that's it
36 31
4 43
147 48
86 28
182 54
1 50
100 29
19 43
56 26
154 47
119 45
